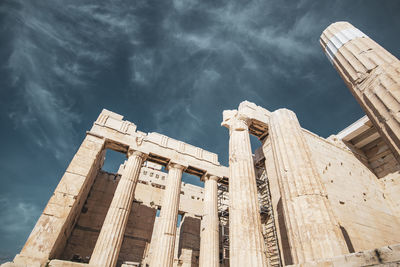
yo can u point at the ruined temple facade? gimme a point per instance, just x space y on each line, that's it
298 200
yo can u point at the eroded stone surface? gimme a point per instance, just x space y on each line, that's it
371 73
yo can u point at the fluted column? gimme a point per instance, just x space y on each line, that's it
313 231
209 235
163 255
372 75
246 243
111 235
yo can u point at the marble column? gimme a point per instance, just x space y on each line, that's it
112 232
163 255
372 75
246 243
313 231
209 235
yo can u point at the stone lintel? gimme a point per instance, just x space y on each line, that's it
355 129
255 113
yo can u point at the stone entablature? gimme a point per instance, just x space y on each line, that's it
121 135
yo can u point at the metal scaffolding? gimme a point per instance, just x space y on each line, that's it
223 215
266 213
267 218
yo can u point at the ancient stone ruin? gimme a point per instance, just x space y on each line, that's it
298 200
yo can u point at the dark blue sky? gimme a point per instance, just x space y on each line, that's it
168 66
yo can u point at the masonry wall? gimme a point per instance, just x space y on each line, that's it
81 243
391 189
189 242
151 186
138 234
367 216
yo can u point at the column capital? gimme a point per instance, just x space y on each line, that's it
174 165
234 120
208 176
136 153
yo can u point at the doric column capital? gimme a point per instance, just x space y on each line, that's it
208 176
234 120
174 165
136 153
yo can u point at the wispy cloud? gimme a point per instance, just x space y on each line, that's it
17 218
54 50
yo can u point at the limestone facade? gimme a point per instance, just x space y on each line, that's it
297 200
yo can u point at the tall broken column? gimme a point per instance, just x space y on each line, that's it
313 231
372 75
246 243
163 255
110 239
209 233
